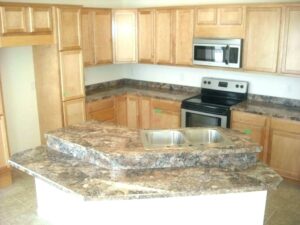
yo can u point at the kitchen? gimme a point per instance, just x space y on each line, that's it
25 128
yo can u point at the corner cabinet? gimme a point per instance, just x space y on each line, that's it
261 46
291 46
124 36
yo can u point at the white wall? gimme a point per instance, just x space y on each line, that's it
105 73
17 75
260 83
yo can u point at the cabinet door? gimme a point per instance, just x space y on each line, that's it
146 36
206 16
230 16
253 125
121 110
4 152
132 111
74 111
72 82
101 110
183 40
291 52
40 20
124 36
103 36
285 148
165 114
145 112
262 38
87 37
163 36
69 28
13 20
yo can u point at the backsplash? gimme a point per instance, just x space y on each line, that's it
174 87
140 84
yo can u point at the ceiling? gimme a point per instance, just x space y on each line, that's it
143 3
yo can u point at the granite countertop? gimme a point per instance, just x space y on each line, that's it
160 94
269 109
92 182
117 147
65 164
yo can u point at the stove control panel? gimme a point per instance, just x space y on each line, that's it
225 85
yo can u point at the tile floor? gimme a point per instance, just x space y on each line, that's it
18 207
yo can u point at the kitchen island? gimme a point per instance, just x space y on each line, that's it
73 187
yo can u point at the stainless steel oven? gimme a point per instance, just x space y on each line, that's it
212 106
192 118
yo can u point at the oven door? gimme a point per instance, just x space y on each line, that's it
190 118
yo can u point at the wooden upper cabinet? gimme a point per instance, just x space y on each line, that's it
87 37
40 19
146 36
164 22
262 38
103 36
206 16
14 20
74 111
291 47
71 74
69 28
285 147
125 36
220 22
184 36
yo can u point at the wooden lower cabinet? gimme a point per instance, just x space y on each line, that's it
74 111
253 125
165 114
284 142
135 111
101 110
5 176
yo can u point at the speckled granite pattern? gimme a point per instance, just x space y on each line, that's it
274 100
96 183
269 109
150 89
113 147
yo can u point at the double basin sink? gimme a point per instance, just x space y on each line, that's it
183 137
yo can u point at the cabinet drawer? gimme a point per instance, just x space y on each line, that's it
248 118
100 105
166 105
285 125
103 115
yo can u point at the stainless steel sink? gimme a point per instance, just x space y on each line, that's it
203 136
162 138
183 137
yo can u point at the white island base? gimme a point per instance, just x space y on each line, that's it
63 208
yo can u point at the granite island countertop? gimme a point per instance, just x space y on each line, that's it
269 109
90 181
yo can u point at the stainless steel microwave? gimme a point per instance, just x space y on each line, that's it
217 52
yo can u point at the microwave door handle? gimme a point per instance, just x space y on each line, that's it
227 54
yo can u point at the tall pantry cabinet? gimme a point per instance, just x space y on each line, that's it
59 73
